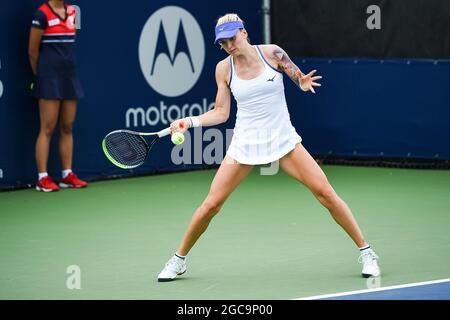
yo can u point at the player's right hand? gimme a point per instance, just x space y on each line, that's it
180 125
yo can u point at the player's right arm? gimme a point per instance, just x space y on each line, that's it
37 30
221 111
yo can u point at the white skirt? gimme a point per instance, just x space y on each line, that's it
256 146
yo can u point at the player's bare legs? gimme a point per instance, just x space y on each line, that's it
227 178
48 110
67 118
300 165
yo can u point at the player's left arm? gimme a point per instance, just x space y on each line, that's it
283 62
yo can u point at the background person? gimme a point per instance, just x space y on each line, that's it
51 52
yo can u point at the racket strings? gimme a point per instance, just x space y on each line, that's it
127 149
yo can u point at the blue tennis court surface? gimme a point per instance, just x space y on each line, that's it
431 290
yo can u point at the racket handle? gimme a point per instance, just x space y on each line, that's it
164 132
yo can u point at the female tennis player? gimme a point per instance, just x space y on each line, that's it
263 133
57 87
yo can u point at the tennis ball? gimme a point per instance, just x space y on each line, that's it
177 138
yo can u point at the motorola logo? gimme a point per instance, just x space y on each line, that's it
171 51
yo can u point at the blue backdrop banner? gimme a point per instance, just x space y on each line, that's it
141 66
375 108
147 64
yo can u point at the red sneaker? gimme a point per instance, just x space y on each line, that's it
72 181
46 184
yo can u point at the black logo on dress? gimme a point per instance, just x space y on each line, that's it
271 80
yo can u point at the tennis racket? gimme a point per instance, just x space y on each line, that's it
128 149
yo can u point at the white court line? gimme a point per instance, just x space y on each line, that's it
373 290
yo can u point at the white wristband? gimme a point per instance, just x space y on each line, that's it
194 122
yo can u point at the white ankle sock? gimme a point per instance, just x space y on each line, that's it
65 173
180 256
364 248
42 175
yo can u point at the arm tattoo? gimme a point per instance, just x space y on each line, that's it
286 64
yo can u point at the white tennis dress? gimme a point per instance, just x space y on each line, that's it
263 132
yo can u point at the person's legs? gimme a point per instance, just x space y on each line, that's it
67 118
227 178
48 113
301 166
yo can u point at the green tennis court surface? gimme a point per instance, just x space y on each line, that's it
272 239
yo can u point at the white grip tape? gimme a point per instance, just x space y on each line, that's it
164 132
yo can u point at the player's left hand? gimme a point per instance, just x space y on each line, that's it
308 82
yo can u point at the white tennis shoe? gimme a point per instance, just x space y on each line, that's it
368 258
174 267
